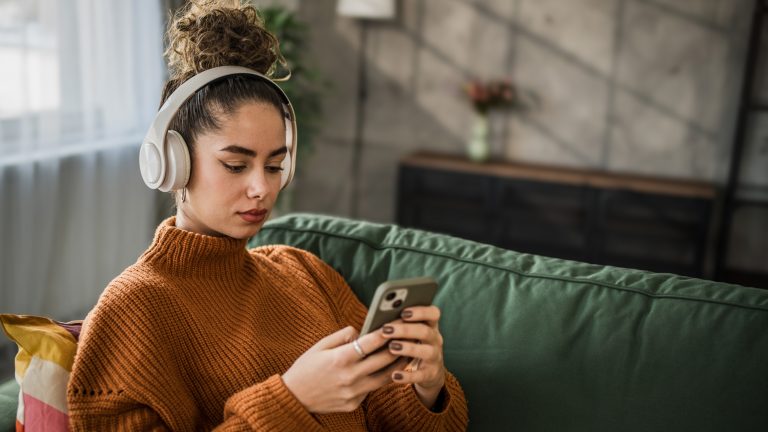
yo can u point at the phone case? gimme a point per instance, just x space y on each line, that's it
419 292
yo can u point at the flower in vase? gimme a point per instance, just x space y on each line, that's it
485 95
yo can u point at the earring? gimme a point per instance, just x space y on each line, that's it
184 195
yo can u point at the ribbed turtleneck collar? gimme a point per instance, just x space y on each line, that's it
186 252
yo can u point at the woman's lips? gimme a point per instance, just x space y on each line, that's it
253 216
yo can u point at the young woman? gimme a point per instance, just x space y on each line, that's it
201 333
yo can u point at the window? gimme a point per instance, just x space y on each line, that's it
77 74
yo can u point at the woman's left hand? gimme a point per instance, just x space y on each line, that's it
417 335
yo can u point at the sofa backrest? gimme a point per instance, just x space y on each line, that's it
542 344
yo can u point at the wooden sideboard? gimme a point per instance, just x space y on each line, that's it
632 221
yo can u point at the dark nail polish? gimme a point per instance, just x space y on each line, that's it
407 314
396 346
398 376
388 330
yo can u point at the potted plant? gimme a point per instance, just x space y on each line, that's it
304 88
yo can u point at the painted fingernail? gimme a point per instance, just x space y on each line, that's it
397 376
388 329
407 314
395 346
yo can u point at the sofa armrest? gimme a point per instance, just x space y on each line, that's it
9 398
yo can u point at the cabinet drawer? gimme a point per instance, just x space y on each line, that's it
447 218
454 187
549 214
654 232
626 209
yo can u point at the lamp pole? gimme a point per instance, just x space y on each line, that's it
365 11
357 143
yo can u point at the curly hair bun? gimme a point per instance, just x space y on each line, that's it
208 33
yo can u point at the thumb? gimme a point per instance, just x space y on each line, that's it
336 339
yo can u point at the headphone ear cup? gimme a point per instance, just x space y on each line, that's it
149 164
286 174
289 162
178 164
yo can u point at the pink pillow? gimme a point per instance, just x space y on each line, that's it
43 364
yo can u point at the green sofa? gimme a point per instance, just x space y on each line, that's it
542 344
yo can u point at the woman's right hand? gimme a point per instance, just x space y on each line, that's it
332 377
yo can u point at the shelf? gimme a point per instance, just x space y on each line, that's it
738 203
734 196
563 175
758 107
752 196
746 278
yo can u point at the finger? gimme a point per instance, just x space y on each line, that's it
425 352
374 362
413 365
336 339
428 314
413 377
414 331
370 343
382 377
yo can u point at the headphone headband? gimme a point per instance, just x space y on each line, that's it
156 139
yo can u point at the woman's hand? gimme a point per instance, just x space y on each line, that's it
332 377
417 336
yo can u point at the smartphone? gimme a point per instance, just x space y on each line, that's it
392 297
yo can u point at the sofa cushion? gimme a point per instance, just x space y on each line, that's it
43 365
545 344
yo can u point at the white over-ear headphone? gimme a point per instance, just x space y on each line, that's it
164 156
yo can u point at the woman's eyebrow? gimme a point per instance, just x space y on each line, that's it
278 152
239 150
250 153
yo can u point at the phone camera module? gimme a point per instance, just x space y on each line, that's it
394 300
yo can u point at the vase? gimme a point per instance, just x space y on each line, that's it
478 148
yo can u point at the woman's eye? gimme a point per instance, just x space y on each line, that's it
234 168
274 169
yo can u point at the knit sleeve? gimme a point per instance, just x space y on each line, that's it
122 378
398 407
266 406
394 406
269 406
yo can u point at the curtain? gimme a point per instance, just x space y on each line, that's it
76 74
80 82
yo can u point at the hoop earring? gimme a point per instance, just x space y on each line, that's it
184 195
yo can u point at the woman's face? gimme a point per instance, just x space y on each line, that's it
236 174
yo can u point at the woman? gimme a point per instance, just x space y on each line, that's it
203 334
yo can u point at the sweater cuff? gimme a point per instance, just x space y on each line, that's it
399 408
269 405
444 402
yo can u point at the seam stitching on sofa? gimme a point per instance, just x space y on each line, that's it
517 272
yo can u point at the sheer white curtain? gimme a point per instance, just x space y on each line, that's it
79 83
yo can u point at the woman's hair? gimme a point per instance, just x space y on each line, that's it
206 34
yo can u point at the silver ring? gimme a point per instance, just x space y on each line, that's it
358 348
416 365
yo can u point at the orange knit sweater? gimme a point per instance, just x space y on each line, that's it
196 335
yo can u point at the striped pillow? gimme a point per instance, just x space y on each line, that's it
43 364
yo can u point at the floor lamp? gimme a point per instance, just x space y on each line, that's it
364 11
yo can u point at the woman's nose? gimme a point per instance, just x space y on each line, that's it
257 186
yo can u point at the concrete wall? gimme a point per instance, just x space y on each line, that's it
641 86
